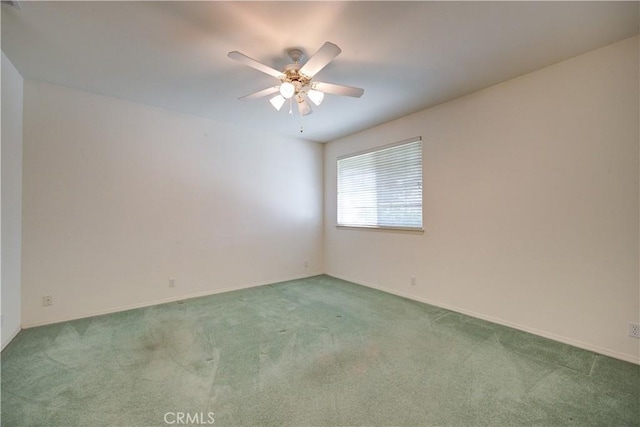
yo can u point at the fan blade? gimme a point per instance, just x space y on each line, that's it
254 64
334 89
320 59
260 93
303 107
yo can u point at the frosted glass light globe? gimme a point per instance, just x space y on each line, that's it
315 96
287 90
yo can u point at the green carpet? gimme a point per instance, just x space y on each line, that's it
318 351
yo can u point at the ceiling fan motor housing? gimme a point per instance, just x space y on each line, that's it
293 76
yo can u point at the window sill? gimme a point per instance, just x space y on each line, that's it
407 230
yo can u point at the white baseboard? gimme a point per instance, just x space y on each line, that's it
6 341
552 336
165 300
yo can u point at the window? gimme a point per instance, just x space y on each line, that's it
382 188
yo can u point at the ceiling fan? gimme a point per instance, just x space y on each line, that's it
296 82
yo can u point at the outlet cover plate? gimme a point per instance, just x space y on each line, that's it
634 330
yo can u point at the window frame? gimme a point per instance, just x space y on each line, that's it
392 228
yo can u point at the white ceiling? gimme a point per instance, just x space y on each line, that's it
406 55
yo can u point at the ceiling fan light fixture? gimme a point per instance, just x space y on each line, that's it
296 80
303 106
277 102
287 90
315 96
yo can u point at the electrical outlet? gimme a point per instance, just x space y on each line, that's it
306 264
413 280
172 283
634 330
47 301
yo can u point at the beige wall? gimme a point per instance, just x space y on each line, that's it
530 204
11 153
121 197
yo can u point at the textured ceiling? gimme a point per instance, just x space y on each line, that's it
406 55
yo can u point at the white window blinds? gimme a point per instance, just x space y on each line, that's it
382 188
